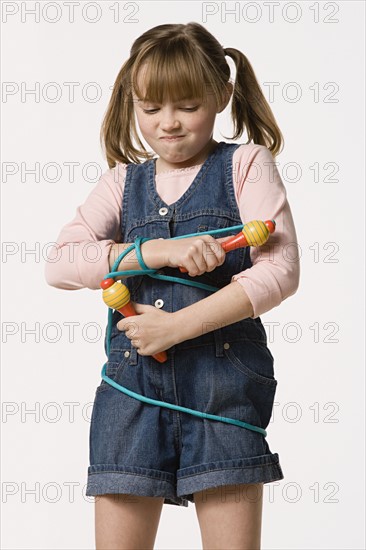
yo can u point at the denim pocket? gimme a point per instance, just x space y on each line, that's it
252 359
116 364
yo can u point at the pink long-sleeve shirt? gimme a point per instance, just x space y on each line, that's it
79 258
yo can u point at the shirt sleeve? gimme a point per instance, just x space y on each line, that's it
80 255
261 195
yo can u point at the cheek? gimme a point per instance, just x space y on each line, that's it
144 123
202 122
148 129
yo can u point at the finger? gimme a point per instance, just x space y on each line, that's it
142 308
190 263
196 264
221 255
194 269
131 328
202 251
210 254
215 255
223 239
122 326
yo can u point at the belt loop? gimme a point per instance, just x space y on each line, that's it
133 356
219 343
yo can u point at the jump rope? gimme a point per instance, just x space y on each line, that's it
117 297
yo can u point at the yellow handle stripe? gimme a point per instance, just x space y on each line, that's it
256 233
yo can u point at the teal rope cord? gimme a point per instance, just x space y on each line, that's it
178 408
152 273
138 242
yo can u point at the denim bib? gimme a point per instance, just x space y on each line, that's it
208 204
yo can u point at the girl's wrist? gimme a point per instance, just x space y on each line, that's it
153 253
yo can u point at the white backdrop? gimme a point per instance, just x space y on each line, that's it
58 67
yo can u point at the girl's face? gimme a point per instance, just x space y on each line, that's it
179 133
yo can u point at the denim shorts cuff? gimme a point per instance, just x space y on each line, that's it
111 479
259 469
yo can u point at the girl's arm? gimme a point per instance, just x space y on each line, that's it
86 247
198 254
224 307
261 194
79 258
151 251
275 272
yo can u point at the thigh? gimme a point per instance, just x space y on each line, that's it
230 516
124 521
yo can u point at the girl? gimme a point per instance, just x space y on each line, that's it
142 455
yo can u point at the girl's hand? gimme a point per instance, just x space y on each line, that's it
197 254
151 331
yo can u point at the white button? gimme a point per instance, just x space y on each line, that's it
163 211
159 303
226 345
127 353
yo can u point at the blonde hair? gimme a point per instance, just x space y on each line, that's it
184 61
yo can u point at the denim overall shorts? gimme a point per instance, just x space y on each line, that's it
139 448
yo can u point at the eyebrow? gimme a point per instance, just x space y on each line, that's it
145 100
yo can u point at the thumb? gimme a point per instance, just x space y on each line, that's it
223 239
141 308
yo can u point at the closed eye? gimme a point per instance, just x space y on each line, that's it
186 109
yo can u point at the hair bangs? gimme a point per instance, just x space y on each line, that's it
173 75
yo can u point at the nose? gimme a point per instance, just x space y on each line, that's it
169 120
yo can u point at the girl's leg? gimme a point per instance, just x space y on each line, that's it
126 522
230 516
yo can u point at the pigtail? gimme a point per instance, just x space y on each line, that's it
111 128
250 109
118 127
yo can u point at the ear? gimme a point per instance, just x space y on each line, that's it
226 97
